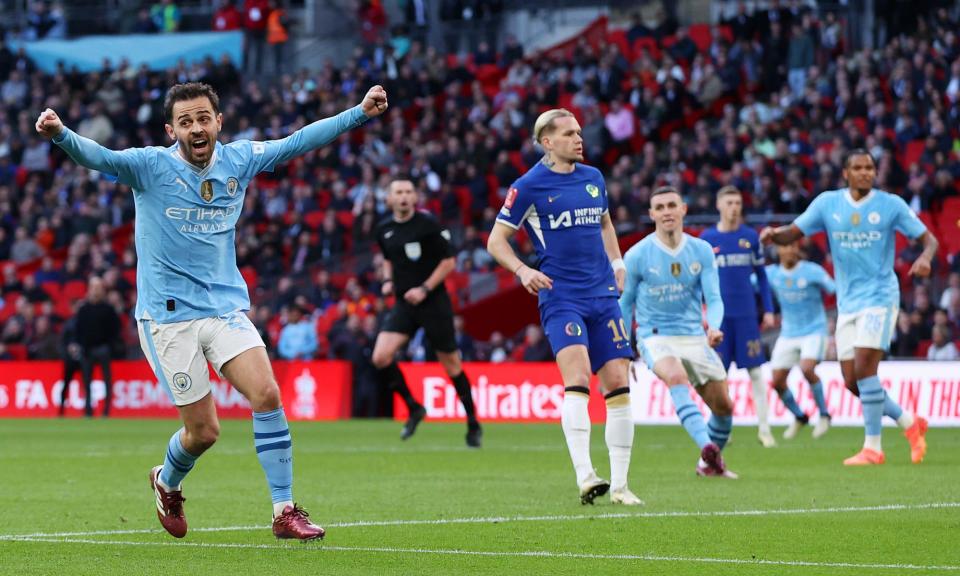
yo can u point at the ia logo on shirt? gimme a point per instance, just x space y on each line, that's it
206 190
593 190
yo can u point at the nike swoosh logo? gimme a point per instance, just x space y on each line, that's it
552 198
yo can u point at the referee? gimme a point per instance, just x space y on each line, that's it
417 259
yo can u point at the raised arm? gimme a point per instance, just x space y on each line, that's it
498 245
87 153
320 133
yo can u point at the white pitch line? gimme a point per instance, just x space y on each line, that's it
506 519
518 554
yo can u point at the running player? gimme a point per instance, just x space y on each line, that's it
417 259
191 297
739 257
861 222
799 286
563 205
670 274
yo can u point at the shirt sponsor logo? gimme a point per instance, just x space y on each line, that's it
232 186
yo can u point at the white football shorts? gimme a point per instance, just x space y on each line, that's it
788 352
868 328
701 362
178 352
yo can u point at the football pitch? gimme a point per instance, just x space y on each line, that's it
75 499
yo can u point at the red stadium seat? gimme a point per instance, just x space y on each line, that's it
923 347
912 152
701 36
17 351
249 274
52 289
75 290
313 219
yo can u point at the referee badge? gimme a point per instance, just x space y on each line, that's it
675 268
412 250
206 190
232 185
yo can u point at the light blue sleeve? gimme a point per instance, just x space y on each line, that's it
710 285
628 299
811 221
126 165
906 221
825 281
265 155
310 346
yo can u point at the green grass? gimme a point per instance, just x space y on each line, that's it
91 476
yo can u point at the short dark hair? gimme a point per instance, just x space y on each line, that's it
858 152
663 190
189 91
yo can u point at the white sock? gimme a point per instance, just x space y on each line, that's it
619 436
575 421
760 398
279 507
873 443
905 420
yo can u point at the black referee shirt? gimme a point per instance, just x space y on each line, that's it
414 248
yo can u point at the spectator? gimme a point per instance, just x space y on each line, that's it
226 17
166 16
953 288
144 23
98 330
278 24
298 338
24 248
942 348
255 14
535 347
465 343
44 343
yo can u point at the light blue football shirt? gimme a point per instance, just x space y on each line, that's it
862 239
186 216
800 293
665 288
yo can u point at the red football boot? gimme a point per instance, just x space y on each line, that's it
169 506
293 523
711 463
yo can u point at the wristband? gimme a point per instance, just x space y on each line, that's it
618 265
518 269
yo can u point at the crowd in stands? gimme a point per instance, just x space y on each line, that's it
768 101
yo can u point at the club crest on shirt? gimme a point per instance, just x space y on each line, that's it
675 268
593 190
412 250
873 218
744 243
206 190
802 283
572 329
695 268
232 185
855 219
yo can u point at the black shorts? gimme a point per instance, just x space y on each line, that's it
434 315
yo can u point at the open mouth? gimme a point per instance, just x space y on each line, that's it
199 145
